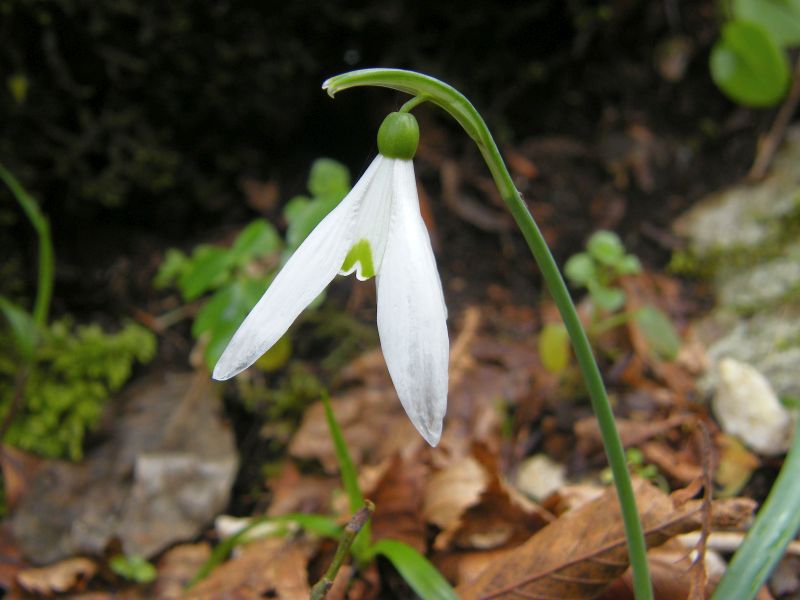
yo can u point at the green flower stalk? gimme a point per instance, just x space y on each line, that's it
425 88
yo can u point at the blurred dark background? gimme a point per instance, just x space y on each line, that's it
131 120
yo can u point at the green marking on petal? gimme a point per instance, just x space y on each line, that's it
360 253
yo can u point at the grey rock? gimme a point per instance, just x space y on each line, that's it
164 472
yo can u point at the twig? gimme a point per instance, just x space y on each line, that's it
323 586
769 145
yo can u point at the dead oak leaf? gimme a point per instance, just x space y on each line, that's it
269 568
64 576
582 553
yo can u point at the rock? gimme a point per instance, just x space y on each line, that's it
163 474
746 406
539 476
764 285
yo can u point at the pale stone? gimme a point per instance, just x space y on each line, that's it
539 476
746 406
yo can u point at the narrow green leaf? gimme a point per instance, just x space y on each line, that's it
417 570
23 328
659 332
747 64
349 480
553 343
776 524
346 466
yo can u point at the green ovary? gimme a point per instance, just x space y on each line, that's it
361 252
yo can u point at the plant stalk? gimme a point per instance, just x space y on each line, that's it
351 530
464 112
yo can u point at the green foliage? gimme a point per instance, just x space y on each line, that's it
233 278
74 373
596 270
748 65
604 261
749 62
134 568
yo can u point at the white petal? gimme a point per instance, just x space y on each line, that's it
411 312
310 269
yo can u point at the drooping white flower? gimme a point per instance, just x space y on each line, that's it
377 230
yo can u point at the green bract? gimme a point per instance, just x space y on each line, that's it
398 136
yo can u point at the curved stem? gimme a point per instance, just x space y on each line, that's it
462 111
44 289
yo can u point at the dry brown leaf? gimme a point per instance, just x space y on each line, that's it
177 567
269 568
675 464
64 576
19 469
398 501
293 491
580 554
476 509
373 423
736 465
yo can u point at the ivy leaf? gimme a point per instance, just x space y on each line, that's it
748 65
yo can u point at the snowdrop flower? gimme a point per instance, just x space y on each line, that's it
377 230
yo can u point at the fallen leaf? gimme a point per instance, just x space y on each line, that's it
177 567
583 552
64 576
269 568
19 469
398 500
476 509
736 465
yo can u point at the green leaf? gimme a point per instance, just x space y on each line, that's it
295 207
659 332
747 64
628 265
554 346
306 219
23 328
317 524
417 570
133 568
208 269
257 239
580 269
606 248
221 316
608 298
328 178
780 18
172 267
349 478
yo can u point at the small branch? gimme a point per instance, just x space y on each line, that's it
769 145
351 530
